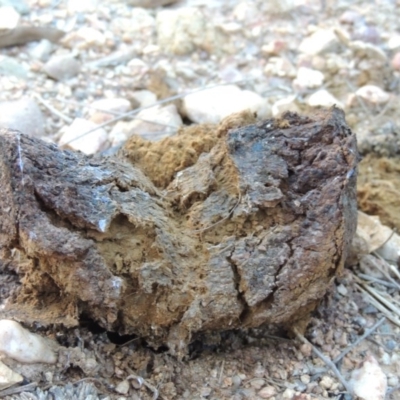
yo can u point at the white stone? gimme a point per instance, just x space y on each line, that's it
137 67
76 6
305 378
390 250
308 78
385 359
119 133
154 123
41 50
9 66
183 30
212 105
144 97
8 377
23 115
274 47
326 382
267 392
106 109
245 11
321 41
342 289
257 383
373 94
394 42
393 380
123 387
84 38
286 104
368 381
9 18
350 17
141 20
62 67
288 394
21 345
278 6
368 50
279 66
322 98
151 49
231 27
396 61
89 143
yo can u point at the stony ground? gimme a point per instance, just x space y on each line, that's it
267 56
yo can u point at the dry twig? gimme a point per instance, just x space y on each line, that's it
326 360
53 110
359 340
159 102
25 388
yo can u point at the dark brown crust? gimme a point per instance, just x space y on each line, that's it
252 232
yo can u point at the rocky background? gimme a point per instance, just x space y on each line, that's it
267 56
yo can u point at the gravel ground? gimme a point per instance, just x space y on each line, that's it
278 55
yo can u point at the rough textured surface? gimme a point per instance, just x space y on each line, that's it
251 233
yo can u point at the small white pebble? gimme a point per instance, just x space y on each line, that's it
385 359
288 394
123 387
306 349
326 382
8 377
206 391
21 345
267 392
368 380
342 290
393 380
305 378
257 383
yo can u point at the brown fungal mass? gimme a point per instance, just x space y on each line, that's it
251 230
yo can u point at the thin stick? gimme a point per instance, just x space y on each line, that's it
52 109
221 372
382 299
116 113
379 306
359 99
360 339
326 360
26 388
159 102
384 109
387 275
370 278
143 381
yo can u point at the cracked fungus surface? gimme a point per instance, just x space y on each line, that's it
252 230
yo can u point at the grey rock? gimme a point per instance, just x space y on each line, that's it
41 50
62 67
321 41
187 29
20 5
212 105
10 66
23 115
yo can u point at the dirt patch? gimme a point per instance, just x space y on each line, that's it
160 161
378 189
